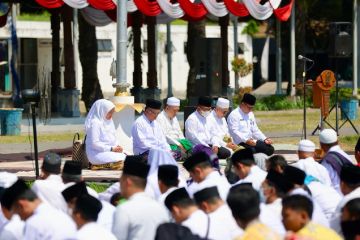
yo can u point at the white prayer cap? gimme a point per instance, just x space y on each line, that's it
7 179
223 103
306 146
173 101
328 136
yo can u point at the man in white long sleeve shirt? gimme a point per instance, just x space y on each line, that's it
198 127
42 221
146 132
170 125
222 224
203 175
244 130
48 188
185 212
140 215
220 128
334 158
245 167
306 151
85 215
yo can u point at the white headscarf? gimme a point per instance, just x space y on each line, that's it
98 113
156 158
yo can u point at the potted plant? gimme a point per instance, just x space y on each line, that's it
241 67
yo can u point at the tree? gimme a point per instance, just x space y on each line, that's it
91 89
196 29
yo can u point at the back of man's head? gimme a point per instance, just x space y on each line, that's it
350 219
350 178
88 207
298 202
276 163
51 163
168 175
244 202
243 156
72 172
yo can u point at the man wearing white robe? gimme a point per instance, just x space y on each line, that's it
220 128
85 215
186 213
203 175
222 224
170 125
50 185
146 132
140 215
246 168
306 151
334 157
42 221
198 127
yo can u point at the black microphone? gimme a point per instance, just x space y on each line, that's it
301 57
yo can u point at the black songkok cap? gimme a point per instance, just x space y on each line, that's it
168 174
294 175
74 191
206 194
12 193
205 101
280 181
72 168
350 174
245 156
176 196
152 103
52 163
249 99
136 167
195 159
357 147
88 206
350 228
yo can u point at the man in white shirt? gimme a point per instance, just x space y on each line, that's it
85 215
198 128
146 132
42 221
306 151
185 212
244 130
203 175
168 180
170 125
73 192
222 223
140 215
48 188
245 167
350 187
334 157
220 128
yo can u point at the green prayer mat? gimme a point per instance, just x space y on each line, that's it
184 142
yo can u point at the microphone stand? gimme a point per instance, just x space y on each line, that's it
304 98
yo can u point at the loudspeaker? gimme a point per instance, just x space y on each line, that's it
340 40
208 67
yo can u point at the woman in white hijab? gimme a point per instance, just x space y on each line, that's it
102 147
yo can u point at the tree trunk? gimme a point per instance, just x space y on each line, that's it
195 30
151 47
91 89
69 74
55 73
136 28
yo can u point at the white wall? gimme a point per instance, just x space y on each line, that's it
180 65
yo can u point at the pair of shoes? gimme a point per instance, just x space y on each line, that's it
108 166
